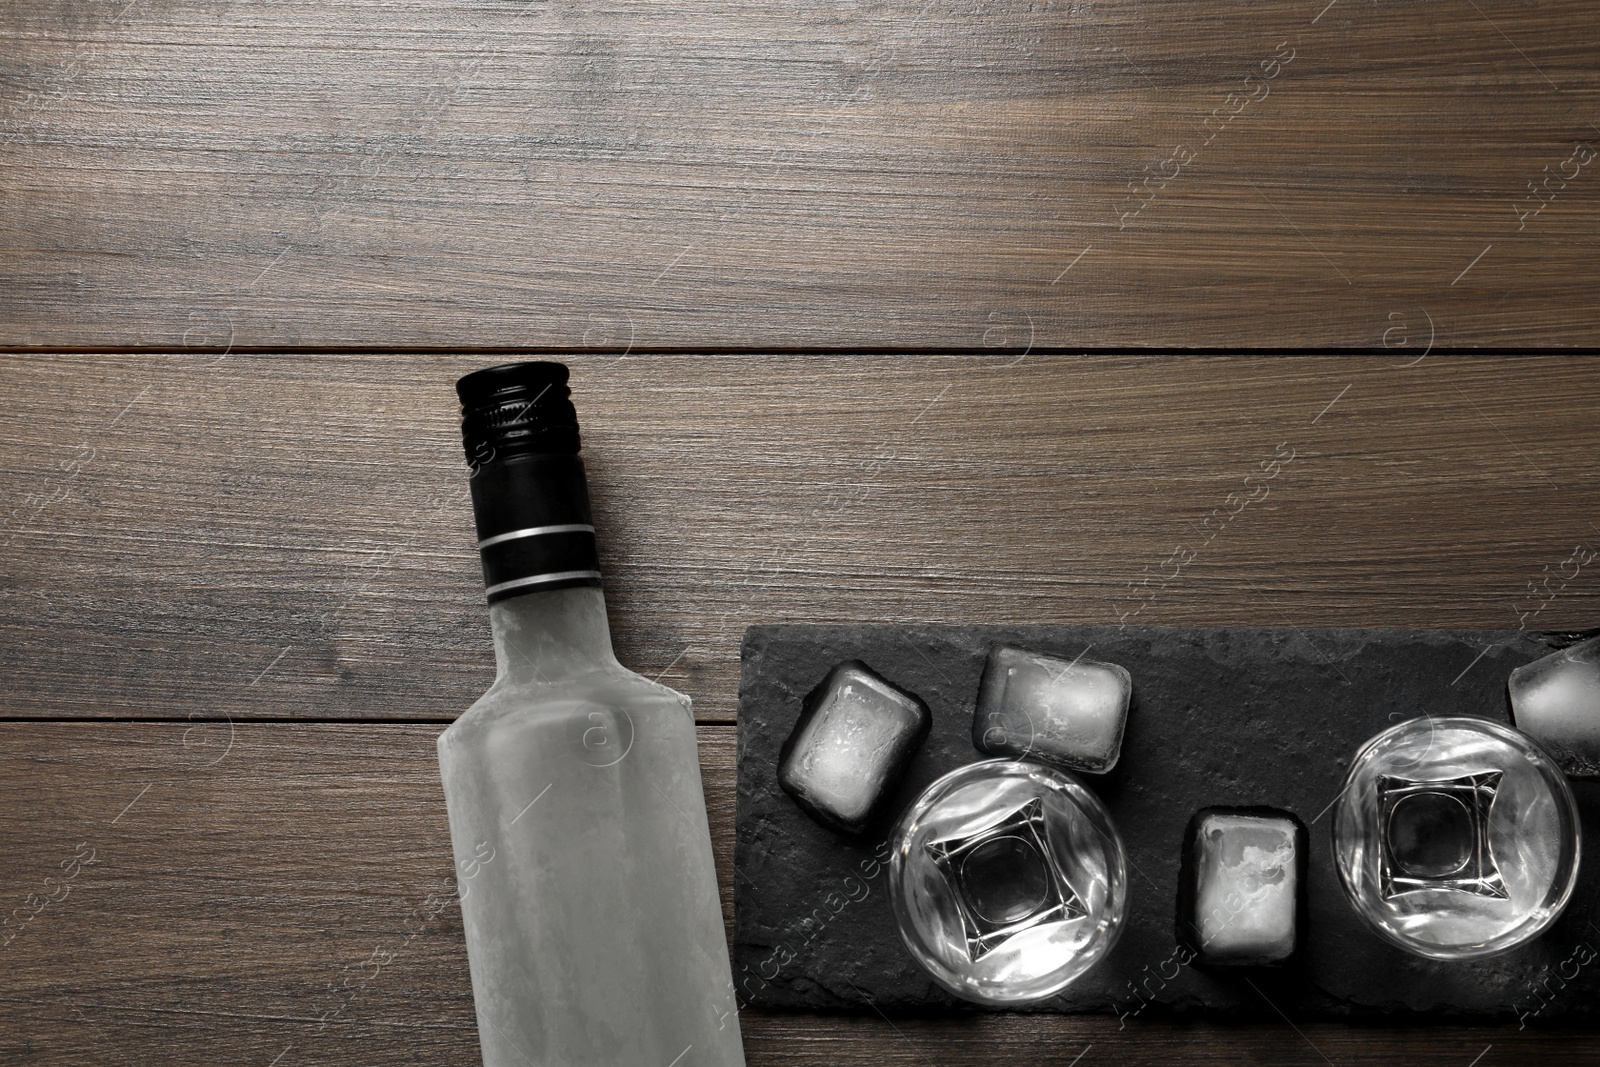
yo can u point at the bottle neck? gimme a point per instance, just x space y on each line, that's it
552 635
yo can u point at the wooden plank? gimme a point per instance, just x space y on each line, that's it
231 894
289 537
236 883
448 172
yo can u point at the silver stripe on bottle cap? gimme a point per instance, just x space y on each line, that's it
539 579
536 531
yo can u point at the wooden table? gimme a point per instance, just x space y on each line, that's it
245 250
241 600
877 173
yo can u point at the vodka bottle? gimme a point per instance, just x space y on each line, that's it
593 923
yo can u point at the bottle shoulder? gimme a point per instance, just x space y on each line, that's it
612 686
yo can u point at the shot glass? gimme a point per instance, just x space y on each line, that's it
1456 838
1008 881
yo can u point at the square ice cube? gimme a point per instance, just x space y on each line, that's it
1243 873
855 736
1556 701
1067 712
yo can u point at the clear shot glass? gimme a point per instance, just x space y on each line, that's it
1456 838
1008 881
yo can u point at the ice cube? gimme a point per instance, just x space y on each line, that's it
1243 871
1556 701
855 735
1067 712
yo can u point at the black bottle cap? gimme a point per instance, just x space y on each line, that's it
516 409
529 494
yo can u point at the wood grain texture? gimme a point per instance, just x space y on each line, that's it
242 881
290 537
196 541
205 173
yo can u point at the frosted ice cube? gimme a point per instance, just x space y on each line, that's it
1243 872
855 736
1067 712
1556 701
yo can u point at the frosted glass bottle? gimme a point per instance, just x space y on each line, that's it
588 892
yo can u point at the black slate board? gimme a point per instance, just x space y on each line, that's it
1234 716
